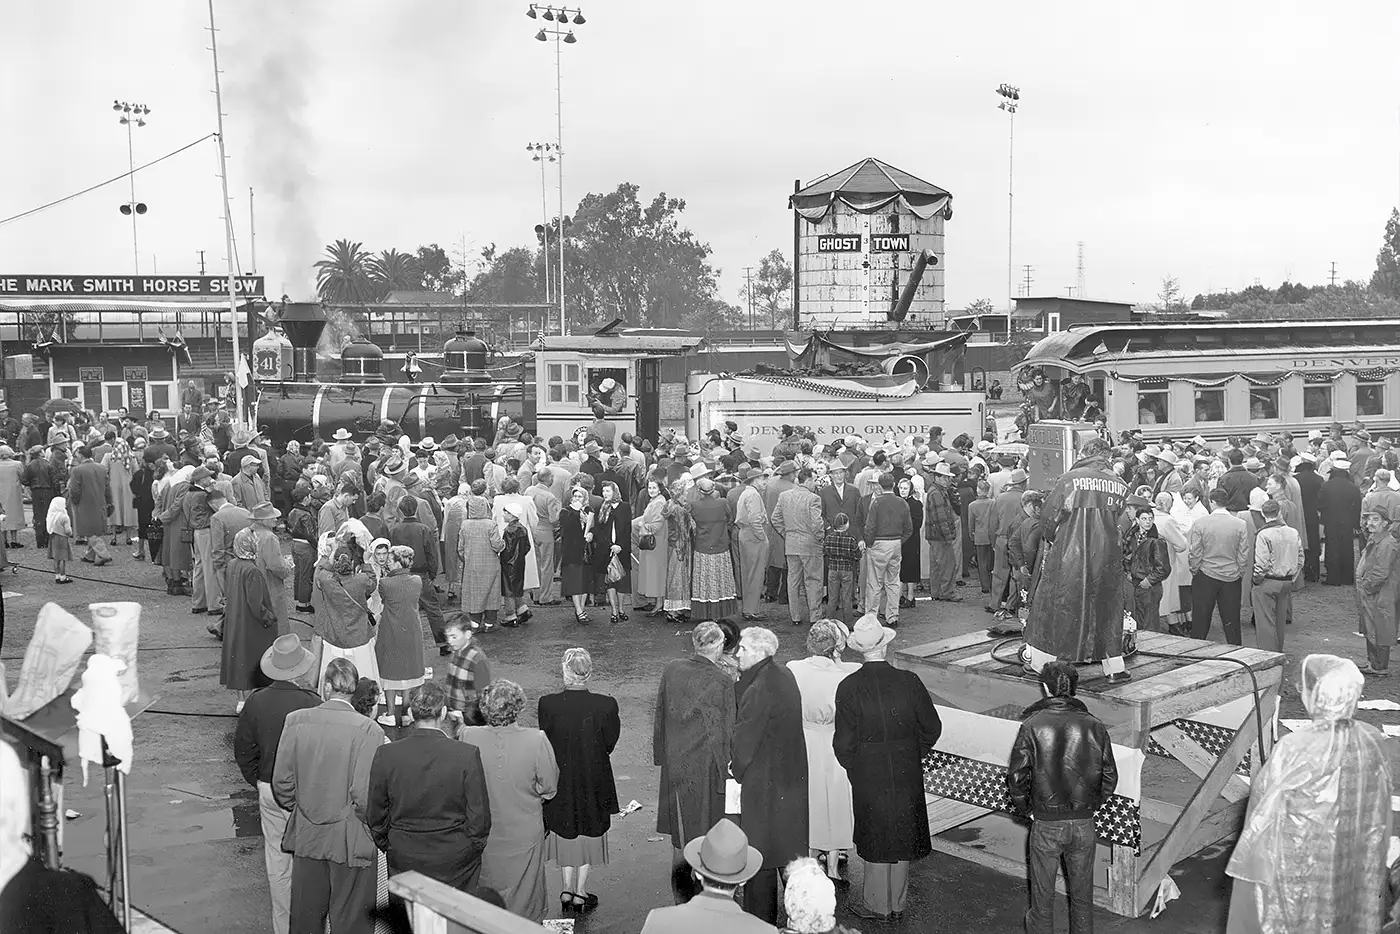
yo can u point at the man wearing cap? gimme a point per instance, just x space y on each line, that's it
321 776
287 664
1278 557
887 779
1005 517
1377 586
797 518
888 526
1360 455
941 531
249 488
721 861
195 505
776 582
751 541
1339 509
1076 612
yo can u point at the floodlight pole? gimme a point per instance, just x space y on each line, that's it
228 221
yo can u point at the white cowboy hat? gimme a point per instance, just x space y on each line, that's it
869 635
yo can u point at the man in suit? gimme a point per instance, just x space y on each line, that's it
322 778
751 539
255 740
843 497
722 860
797 518
428 809
777 583
226 520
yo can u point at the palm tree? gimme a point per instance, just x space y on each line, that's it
344 276
392 270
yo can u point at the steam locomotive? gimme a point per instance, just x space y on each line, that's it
465 401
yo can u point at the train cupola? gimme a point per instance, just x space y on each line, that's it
362 362
303 323
464 358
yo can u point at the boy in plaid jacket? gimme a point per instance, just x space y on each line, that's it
468 671
842 556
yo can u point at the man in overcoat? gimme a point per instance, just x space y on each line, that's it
322 777
776 590
428 809
885 724
692 739
1076 610
770 765
1310 485
90 498
797 518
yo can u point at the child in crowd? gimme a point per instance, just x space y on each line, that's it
513 556
979 514
842 557
468 671
60 533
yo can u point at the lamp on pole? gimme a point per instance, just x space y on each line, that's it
1010 99
542 153
132 115
561 17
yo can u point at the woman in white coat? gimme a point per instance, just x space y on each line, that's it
529 518
1169 529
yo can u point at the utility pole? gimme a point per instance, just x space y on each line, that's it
252 232
1079 289
1027 270
1010 100
1332 278
748 274
228 220
201 262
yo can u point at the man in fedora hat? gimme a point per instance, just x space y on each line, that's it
197 514
776 582
287 664
941 530
751 540
722 861
887 778
336 452
159 446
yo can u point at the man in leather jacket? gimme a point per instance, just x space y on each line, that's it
1060 772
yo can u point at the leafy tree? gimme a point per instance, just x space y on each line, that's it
438 273
343 276
1170 295
772 289
983 306
394 271
714 314
506 278
634 261
1386 278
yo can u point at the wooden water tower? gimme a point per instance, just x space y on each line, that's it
858 234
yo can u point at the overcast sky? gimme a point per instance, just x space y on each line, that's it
1218 141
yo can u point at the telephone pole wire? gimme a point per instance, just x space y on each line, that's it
1028 269
1332 277
748 274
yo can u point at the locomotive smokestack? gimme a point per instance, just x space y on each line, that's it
303 323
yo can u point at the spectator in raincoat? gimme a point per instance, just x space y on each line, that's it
1312 853
1077 613
1376 587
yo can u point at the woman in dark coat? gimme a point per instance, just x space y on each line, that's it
575 534
1339 508
301 526
911 572
141 480
250 620
770 765
612 535
583 728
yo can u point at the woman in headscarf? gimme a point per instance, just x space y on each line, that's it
250 621
176 550
713 594
612 539
480 543
651 562
831 818
1312 854
342 625
521 774
301 526
11 498
1169 529
679 529
576 571
120 466
398 645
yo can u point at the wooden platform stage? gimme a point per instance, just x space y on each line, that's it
1193 718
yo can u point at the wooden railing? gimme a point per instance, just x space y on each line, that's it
435 908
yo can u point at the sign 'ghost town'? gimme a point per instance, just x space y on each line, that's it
138 286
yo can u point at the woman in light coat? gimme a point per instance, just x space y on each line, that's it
650 581
831 819
11 497
120 465
481 543
1171 532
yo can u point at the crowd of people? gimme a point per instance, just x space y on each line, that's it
772 776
